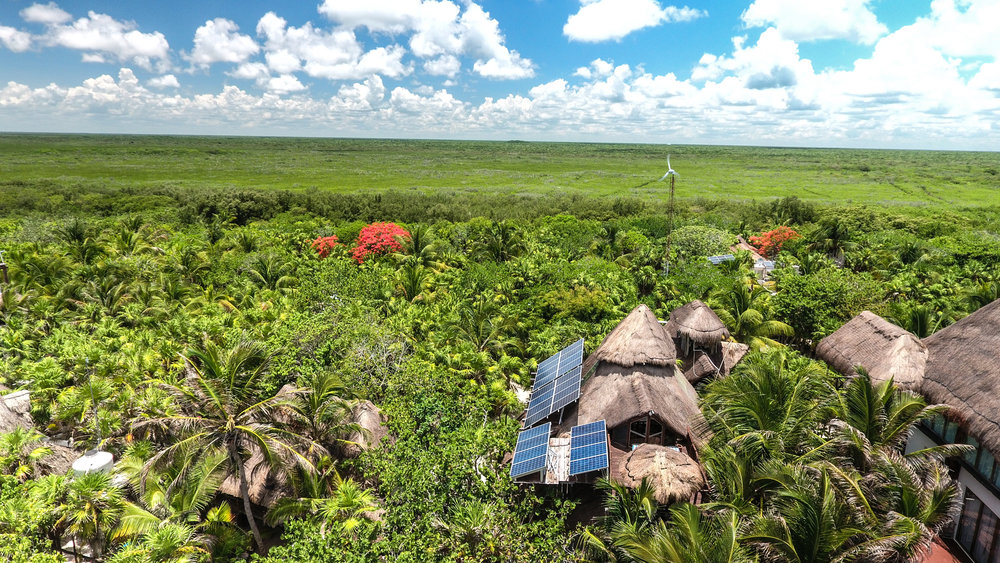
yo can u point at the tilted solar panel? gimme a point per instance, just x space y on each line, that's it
540 405
531 450
588 448
567 388
552 367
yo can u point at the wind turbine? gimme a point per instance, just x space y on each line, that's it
672 174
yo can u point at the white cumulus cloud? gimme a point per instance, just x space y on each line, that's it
603 20
852 20
45 13
164 82
219 41
15 39
100 36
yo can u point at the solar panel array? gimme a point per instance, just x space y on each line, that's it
531 451
588 448
557 383
559 363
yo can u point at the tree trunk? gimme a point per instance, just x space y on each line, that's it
247 507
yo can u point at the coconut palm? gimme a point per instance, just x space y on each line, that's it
326 498
20 451
268 271
500 242
746 313
320 411
689 535
833 239
91 509
221 412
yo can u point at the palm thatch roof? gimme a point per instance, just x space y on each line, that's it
638 340
882 348
618 394
372 422
699 323
265 486
15 411
675 476
963 372
635 374
705 365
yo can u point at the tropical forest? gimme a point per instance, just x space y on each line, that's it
329 366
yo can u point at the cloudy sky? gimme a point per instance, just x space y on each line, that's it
855 73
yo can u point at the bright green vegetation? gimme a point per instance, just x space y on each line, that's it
933 179
166 317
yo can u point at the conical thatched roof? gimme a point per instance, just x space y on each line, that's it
963 372
638 340
698 322
265 487
882 348
675 476
635 374
618 394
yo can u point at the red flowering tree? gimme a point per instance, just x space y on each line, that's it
324 245
769 243
378 239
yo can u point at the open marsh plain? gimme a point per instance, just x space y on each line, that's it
881 177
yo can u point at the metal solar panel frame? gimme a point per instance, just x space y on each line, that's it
531 451
556 365
588 448
567 388
540 404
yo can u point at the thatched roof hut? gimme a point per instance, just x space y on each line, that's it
705 365
962 372
675 476
635 374
265 486
882 348
698 323
372 422
639 339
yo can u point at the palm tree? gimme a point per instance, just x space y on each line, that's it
689 535
320 412
769 407
91 508
420 248
920 319
326 498
20 452
833 239
746 313
500 242
413 280
268 271
221 412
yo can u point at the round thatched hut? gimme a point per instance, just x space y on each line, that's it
696 324
636 388
880 347
675 476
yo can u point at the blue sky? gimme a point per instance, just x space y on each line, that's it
857 73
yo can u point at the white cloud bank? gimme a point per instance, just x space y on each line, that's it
812 21
603 20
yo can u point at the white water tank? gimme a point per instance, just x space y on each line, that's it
94 461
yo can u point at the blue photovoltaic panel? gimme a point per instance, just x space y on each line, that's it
558 364
540 405
530 451
588 448
567 388
721 258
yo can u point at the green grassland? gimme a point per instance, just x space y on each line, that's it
883 177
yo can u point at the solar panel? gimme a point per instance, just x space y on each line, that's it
567 388
530 451
721 258
588 448
559 363
540 405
